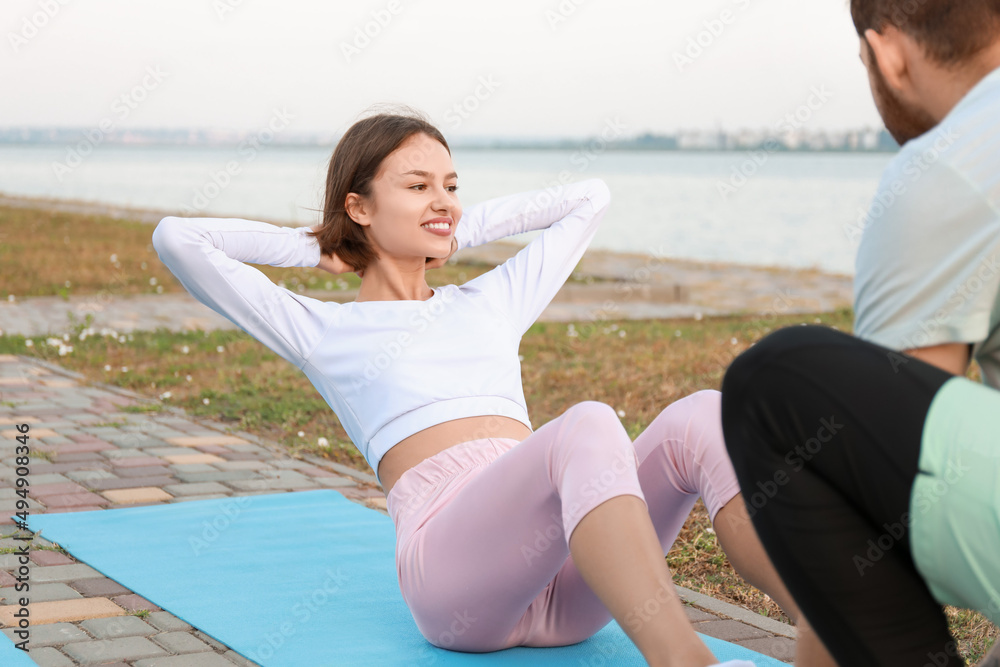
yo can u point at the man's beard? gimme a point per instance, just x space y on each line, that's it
904 122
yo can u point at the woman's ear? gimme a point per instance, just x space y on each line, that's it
356 210
892 58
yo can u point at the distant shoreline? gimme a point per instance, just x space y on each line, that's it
568 146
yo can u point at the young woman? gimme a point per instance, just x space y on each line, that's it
427 383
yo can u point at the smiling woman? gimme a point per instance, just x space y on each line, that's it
427 384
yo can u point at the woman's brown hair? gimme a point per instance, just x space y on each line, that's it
355 164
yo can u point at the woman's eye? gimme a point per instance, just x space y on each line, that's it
452 188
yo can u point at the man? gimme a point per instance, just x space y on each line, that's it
880 462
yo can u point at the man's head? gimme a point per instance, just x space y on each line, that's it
922 56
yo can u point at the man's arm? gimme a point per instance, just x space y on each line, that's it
953 358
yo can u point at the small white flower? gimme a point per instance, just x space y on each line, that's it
621 334
10 297
152 281
621 413
185 349
67 283
124 369
107 367
29 343
302 434
712 531
121 339
159 289
188 378
733 341
324 443
677 334
219 348
83 335
66 337
114 258
698 316
329 285
165 395
205 401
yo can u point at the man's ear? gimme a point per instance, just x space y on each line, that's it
891 57
356 209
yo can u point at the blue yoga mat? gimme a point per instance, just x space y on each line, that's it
299 578
11 656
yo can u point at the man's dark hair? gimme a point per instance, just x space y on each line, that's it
950 31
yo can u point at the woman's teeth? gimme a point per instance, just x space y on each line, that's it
437 225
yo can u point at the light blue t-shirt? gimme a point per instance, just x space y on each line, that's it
928 265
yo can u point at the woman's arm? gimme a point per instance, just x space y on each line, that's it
527 282
207 257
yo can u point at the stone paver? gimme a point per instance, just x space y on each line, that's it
59 611
121 626
142 494
106 650
90 619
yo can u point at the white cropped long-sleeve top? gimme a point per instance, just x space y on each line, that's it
389 369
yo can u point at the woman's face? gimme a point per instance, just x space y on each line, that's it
417 184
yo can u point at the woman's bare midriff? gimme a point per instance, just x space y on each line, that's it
410 451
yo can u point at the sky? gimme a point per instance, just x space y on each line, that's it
517 68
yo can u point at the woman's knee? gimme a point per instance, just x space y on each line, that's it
594 418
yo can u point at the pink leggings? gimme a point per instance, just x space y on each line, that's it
483 527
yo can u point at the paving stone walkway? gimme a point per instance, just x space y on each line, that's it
102 457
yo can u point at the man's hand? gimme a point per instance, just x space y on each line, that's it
436 262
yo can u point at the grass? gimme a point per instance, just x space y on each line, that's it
638 367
